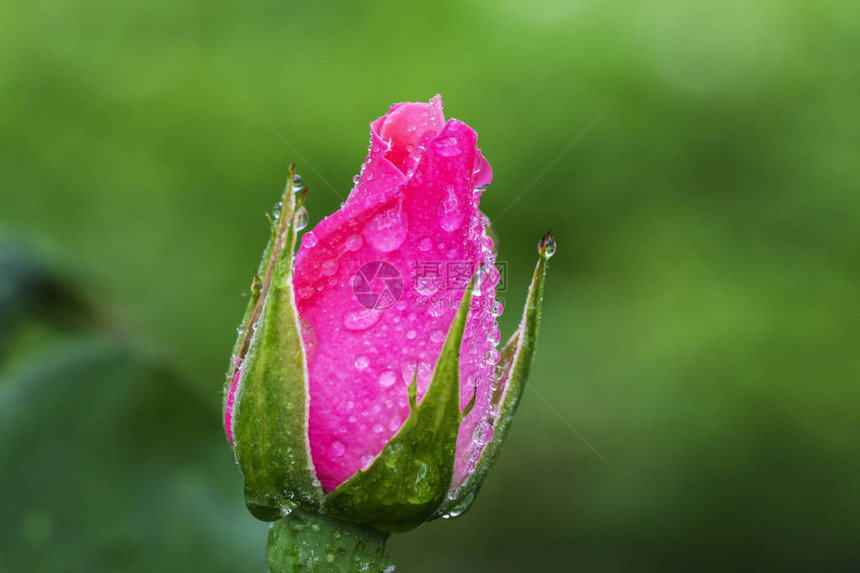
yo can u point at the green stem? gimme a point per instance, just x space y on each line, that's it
306 542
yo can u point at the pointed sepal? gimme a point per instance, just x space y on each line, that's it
266 399
511 376
408 481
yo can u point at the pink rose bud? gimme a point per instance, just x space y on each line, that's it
367 384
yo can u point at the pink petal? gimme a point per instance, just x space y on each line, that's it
365 350
396 141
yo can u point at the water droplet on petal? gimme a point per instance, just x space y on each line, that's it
483 434
411 334
309 240
425 244
482 280
306 292
437 336
449 213
491 233
353 243
361 319
366 460
394 423
498 308
329 268
388 378
387 231
437 308
301 219
337 449
362 362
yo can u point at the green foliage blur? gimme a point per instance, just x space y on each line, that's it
702 316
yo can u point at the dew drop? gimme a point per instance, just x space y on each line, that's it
547 246
498 308
394 423
362 362
482 280
298 183
360 319
276 210
337 449
387 231
437 309
437 336
353 243
483 434
411 334
306 292
491 232
460 508
450 216
329 268
301 219
388 378
425 244
309 240
261 511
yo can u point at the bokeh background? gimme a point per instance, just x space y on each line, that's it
699 164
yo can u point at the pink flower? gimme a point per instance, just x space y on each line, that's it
415 208
366 384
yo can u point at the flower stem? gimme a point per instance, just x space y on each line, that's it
309 542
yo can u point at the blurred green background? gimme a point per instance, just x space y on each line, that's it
702 315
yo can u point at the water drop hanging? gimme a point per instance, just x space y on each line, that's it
298 184
301 219
547 246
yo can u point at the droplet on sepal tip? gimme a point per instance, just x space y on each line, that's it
460 508
298 183
547 246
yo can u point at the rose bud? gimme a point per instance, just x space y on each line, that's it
366 385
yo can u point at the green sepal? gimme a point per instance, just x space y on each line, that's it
512 373
410 478
271 405
313 542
